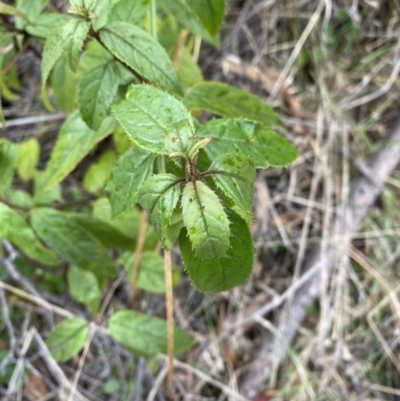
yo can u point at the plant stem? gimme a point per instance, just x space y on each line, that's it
169 295
134 301
153 19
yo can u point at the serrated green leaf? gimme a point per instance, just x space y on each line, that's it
8 163
133 12
98 173
72 242
10 10
64 83
84 287
51 53
40 195
68 338
73 36
43 24
210 13
141 52
229 101
28 158
146 335
159 196
14 229
265 147
110 236
130 172
152 273
97 89
205 220
234 174
155 120
74 142
31 10
228 271
180 10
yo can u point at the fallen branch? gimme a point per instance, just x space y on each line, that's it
363 194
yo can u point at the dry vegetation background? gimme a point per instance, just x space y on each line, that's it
320 317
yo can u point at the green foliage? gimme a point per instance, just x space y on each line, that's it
104 67
146 335
68 338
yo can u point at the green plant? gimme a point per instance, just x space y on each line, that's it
195 181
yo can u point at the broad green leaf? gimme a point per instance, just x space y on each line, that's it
210 13
205 220
234 174
174 229
265 147
51 53
133 12
8 163
159 196
74 142
64 83
181 11
40 195
9 10
101 10
98 173
152 272
28 158
68 338
73 36
31 10
72 242
146 335
229 101
109 235
155 120
141 52
19 199
131 171
228 271
13 228
97 89
188 71
43 24
84 287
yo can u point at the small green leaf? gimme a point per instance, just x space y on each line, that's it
146 335
159 196
9 10
155 120
210 13
152 274
13 228
68 338
174 229
265 147
8 163
93 56
229 101
101 10
28 158
31 10
97 89
234 174
228 271
51 53
40 195
84 287
73 36
133 12
86 4
205 221
189 71
72 242
98 173
19 199
131 171
43 24
111 237
64 83
141 52
74 142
